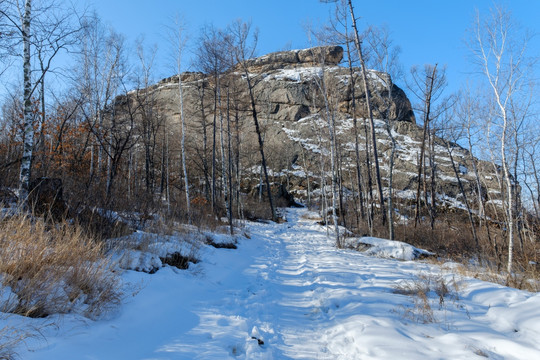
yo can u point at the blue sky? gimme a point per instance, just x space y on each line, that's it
428 31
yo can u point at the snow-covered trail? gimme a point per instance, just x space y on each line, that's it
296 292
288 293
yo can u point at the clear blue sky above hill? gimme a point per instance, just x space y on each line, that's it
428 31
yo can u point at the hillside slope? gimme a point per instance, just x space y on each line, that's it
287 88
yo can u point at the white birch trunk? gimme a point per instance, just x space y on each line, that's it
502 97
223 165
183 140
330 120
167 173
26 161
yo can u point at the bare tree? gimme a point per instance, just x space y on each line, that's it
25 32
358 44
48 30
385 58
178 41
101 80
150 122
212 60
454 134
339 33
329 116
500 53
468 116
98 79
243 51
427 86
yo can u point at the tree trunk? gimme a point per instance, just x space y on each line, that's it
330 120
509 193
229 163
205 145
433 167
183 141
391 231
261 144
214 131
427 110
224 184
28 146
469 212
356 141
370 114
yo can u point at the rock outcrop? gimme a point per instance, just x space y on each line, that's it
291 107
326 55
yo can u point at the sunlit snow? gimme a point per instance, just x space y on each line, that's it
287 292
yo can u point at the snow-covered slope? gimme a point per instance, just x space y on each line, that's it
288 293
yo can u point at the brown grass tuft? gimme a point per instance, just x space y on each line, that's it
55 269
425 291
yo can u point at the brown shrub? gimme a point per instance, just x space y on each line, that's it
100 226
257 210
451 238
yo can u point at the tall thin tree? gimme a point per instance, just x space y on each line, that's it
244 51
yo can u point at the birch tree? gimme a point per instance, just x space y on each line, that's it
212 60
19 18
26 161
150 122
339 32
178 41
98 77
33 26
329 116
499 50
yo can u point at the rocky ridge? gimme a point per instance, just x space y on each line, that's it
292 113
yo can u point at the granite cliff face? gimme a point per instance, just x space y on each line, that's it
286 86
292 112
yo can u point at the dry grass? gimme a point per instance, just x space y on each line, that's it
452 239
425 291
8 343
524 279
11 338
55 269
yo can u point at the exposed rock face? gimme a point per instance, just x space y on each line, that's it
327 55
286 87
292 113
294 93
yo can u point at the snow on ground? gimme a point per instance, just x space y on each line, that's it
288 293
387 248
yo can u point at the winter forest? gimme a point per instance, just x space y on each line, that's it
107 171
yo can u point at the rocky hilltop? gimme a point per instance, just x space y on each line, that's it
292 112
